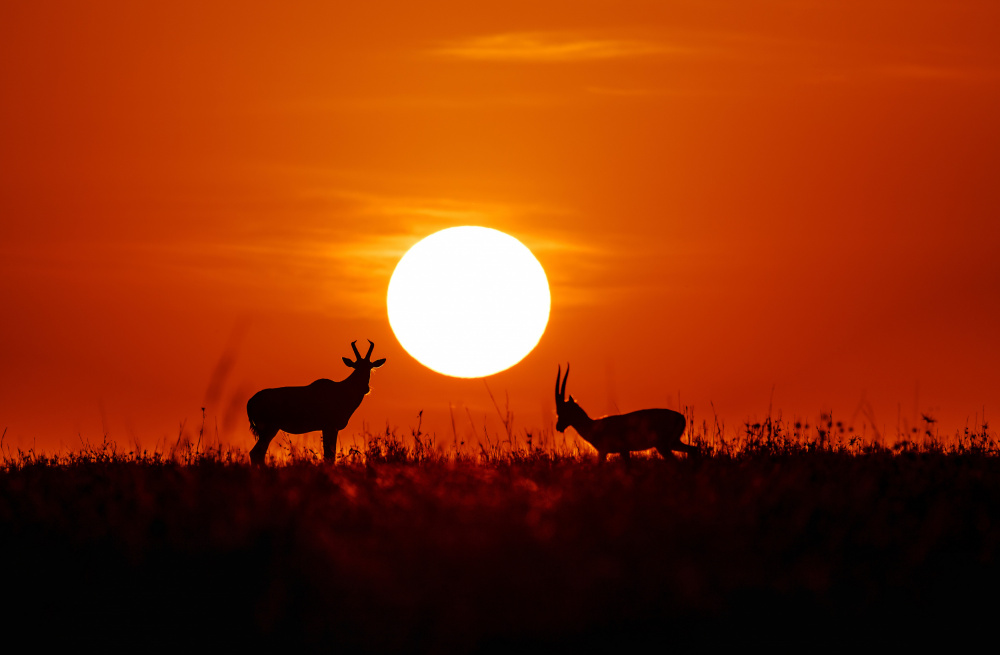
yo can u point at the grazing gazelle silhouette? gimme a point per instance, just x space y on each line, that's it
623 433
323 405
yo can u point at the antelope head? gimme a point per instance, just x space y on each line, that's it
567 411
363 365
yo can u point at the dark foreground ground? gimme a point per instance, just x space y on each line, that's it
812 550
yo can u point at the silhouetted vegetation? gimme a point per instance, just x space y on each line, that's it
405 545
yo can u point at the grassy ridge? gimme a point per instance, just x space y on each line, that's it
397 548
771 436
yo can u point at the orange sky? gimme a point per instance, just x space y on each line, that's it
728 197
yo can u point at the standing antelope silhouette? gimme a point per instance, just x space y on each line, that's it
323 405
623 433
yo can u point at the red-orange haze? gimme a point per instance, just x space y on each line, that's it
199 200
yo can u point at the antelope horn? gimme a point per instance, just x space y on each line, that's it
357 355
558 373
563 391
371 347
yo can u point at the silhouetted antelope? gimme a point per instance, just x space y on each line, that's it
323 405
641 430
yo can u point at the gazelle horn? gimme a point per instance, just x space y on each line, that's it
562 392
357 355
558 374
371 347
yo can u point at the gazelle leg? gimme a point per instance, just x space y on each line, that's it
665 452
625 455
691 451
259 450
330 445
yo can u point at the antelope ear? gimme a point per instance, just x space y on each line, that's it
571 399
348 362
378 362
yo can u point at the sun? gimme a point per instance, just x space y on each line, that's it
468 301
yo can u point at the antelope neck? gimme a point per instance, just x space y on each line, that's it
359 379
583 422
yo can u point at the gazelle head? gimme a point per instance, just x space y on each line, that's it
568 412
363 364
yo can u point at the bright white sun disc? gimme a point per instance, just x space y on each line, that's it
468 301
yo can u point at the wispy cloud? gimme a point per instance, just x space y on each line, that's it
340 260
548 47
360 263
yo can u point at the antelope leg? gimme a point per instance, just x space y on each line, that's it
330 445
